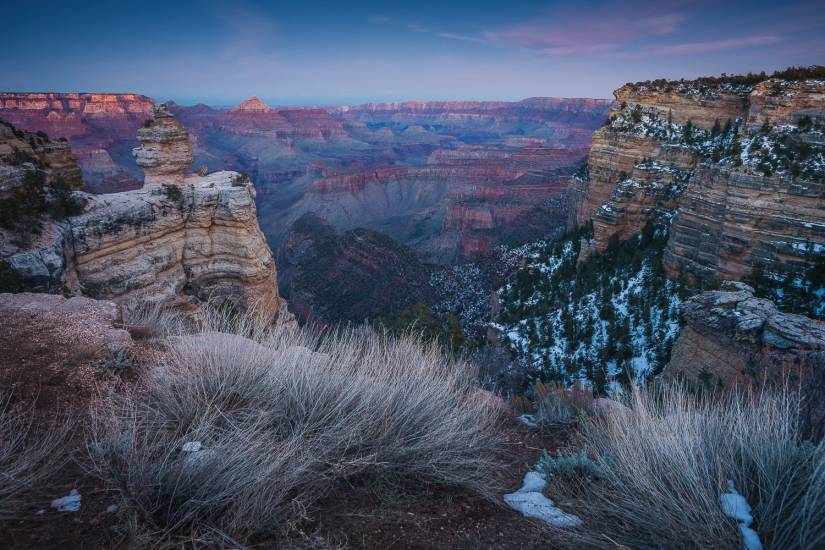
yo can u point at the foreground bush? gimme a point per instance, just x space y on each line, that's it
666 459
246 434
29 456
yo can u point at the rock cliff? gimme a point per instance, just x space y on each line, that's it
739 169
179 241
730 335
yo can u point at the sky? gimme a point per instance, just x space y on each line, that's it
320 53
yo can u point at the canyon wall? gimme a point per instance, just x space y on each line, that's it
179 241
730 336
736 171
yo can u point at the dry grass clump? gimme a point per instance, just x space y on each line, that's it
245 434
666 460
560 404
29 456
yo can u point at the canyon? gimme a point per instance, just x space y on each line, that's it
451 179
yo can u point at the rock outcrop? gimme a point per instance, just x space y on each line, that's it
165 154
180 241
738 169
730 335
21 151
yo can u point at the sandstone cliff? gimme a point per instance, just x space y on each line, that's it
729 335
179 241
739 169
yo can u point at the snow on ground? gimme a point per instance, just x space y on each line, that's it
531 502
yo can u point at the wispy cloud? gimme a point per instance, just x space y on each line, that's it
589 33
717 45
415 27
464 38
378 19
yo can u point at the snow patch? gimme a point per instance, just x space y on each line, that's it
531 502
69 503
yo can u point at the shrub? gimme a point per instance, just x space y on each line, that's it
64 202
566 466
559 403
246 434
23 209
173 193
28 457
667 460
10 279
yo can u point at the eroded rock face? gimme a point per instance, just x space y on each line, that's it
731 335
178 242
730 220
203 245
21 151
732 204
165 154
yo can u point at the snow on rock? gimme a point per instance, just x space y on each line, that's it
531 502
69 503
737 508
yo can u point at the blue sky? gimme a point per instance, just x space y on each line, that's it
220 52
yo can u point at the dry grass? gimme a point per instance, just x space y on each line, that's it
560 404
284 416
29 456
667 459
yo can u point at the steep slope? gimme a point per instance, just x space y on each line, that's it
611 316
357 275
738 166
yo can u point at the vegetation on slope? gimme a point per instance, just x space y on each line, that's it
613 315
246 433
735 83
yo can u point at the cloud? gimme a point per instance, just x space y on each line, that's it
578 32
464 38
378 19
716 45
415 27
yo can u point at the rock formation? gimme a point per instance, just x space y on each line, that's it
21 151
181 240
165 154
737 168
253 104
99 127
730 335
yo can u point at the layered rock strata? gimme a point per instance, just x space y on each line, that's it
730 335
180 241
164 154
739 170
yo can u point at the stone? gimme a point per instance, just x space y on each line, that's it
165 154
730 335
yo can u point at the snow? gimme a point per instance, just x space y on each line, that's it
530 501
736 507
191 446
69 503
